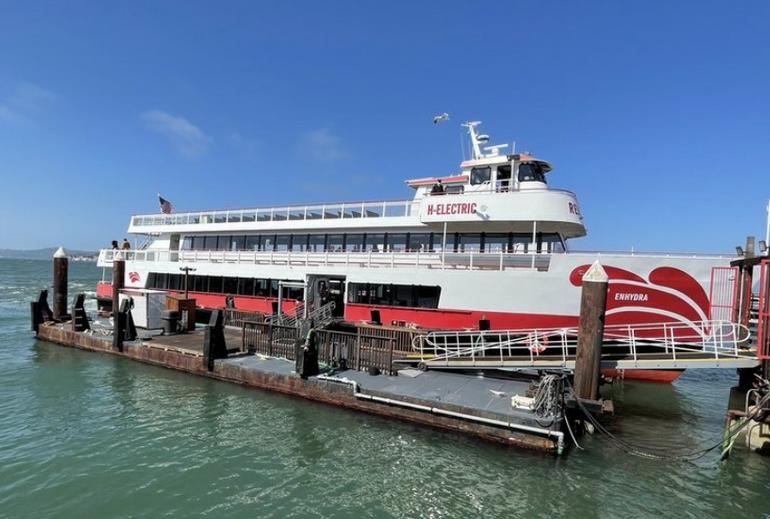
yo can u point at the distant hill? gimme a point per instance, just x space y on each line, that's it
43 254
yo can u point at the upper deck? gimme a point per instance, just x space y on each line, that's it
492 193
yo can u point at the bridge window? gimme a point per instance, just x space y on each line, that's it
531 172
481 175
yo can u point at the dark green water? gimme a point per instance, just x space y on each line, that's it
88 435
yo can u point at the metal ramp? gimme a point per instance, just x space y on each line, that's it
702 344
321 316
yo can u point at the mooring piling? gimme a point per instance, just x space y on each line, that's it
60 273
118 282
593 304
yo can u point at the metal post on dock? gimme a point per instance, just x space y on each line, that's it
593 304
60 272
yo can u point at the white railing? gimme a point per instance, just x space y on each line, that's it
428 260
713 339
335 211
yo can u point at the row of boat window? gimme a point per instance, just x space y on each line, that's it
417 296
222 285
376 242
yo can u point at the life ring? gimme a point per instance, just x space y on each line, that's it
537 345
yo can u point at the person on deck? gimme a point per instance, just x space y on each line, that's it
438 188
125 245
115 245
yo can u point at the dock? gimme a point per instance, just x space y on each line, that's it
471 405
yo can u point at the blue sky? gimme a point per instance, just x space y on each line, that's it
657 114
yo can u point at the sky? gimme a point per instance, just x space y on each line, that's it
656 114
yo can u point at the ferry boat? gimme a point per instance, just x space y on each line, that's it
491 243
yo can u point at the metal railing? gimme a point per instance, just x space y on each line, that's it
706 339
358 351
335 211
429 260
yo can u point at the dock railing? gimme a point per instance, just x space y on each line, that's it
359 351
632 343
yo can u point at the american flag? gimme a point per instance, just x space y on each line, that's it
166 207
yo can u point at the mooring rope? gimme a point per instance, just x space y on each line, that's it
666 453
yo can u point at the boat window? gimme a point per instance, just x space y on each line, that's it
299 243
252 242
201 284
333 212
456 189
496 242
230 285
268 242
375 243
352 211
373 210
220 217
468 242
314 213
173 281
282 242
234 217
280 215
394 295
335 242
223 243
521 242
480 175
316 242
215 284
504 178
237 242
264 215
245 287
397 242
210 243
187 243
262 287
249 216
354 242
419 242
549 242
297 214
531 172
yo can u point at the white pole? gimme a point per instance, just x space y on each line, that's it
443 245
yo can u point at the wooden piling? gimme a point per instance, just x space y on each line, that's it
118 320
118 282
593 304
60 272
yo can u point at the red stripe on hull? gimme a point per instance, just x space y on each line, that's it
456 319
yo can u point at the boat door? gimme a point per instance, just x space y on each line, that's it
324 289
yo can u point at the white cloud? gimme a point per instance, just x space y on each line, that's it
25 103
187 139
321 145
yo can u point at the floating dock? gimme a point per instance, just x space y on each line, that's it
471 405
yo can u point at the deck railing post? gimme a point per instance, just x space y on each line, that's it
593 304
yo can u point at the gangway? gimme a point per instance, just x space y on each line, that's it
701 344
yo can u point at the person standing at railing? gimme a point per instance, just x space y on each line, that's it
125 245
115 245
438 188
